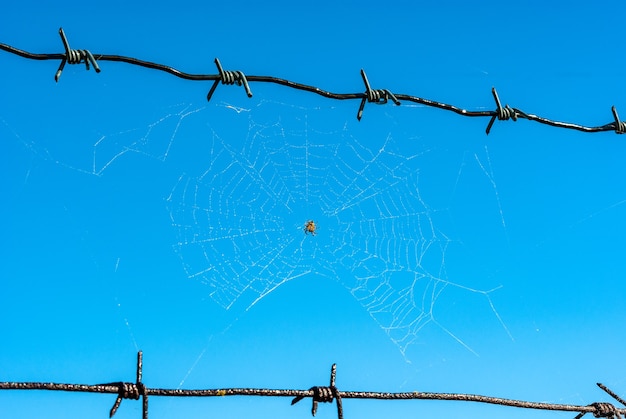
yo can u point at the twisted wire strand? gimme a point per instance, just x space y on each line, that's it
379 96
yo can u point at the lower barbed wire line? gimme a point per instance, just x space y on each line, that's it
114 389
617 126
325 394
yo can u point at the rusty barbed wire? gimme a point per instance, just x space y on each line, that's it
318 394
377 96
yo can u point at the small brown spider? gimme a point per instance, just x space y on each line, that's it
310 227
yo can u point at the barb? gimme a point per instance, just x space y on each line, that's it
502 114
229 77
325 395
133 391
611 393
74 56
380 96
318 394
620 127
602 410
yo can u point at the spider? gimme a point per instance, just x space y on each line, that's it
310 227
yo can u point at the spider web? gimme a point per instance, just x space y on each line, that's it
240 218
241 182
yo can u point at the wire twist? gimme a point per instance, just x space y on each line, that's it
620 126
126 391
379 96
503 114
604 409
132 390
74 56
229 77
325 395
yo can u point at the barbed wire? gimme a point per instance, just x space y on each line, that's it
318 394
377 96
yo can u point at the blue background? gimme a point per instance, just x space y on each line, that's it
133 209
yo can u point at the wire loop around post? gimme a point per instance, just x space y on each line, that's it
379 96
74 56
229 77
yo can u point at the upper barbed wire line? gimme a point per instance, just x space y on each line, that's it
187 76
377 96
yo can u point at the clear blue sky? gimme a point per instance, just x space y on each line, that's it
137 215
